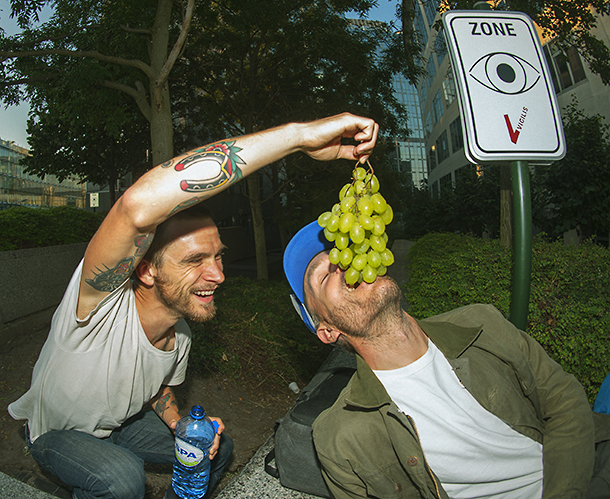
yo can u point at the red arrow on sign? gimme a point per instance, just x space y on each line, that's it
514 134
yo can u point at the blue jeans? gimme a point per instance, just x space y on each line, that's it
113 467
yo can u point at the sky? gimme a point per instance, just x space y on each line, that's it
13 120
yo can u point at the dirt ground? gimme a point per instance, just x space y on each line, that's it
248 413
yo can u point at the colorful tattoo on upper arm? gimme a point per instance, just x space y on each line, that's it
110 279
142 243
186 204
224 154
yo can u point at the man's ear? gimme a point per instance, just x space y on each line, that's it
146 272
327 334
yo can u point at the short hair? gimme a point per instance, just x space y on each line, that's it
163 237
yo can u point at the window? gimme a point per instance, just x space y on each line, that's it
449 88
457 138
442 147
437 108
432 159
430 7
440 47
420 26
566 69
445 183
430 71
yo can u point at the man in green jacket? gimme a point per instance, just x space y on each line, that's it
460 405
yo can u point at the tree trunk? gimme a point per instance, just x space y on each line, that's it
161 126
277 203
258 225
506 208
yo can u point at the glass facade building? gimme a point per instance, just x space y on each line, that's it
408 155
18 188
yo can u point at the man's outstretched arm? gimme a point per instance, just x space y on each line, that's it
128 229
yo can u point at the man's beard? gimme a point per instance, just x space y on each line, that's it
362 319
180 301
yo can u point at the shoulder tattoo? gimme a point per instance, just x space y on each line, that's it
109 279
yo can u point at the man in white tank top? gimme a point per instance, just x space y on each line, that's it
119 342
462 405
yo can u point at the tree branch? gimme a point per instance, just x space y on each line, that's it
93 54
177 48
138 94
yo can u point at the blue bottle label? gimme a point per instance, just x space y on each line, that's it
188 454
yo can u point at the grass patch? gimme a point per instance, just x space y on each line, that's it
256 337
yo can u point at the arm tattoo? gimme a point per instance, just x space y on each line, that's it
111 278
224 154
142 243
163 403
186 204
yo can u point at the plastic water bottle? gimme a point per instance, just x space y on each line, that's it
194 436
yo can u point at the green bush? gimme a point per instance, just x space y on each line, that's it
569 309
256 336
23 227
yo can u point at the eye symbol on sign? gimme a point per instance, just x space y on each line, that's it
505 73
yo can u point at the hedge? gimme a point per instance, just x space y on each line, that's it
23 227
569 308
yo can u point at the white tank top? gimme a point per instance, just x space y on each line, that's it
95 373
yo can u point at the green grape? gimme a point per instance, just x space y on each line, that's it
374 184
359 173
346 221
385 237
378 226
359 187
388 215
341 240
351 276
381 270
346 190
334 256
379 203
365 206
387 257
366 222
373 259
363 247
323 218
347 203
336 210
369 274
333 223
346 257
359 262
356 233
377 243
343 267
330 236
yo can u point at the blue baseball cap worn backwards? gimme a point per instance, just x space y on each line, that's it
301 249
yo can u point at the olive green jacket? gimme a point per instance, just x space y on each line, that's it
369 448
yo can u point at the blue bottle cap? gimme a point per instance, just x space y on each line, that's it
197 412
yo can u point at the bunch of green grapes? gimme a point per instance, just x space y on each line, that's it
356 224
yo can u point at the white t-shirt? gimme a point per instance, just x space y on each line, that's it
473 453
95 373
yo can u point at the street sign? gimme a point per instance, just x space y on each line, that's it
507 101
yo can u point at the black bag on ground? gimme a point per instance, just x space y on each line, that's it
296 462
